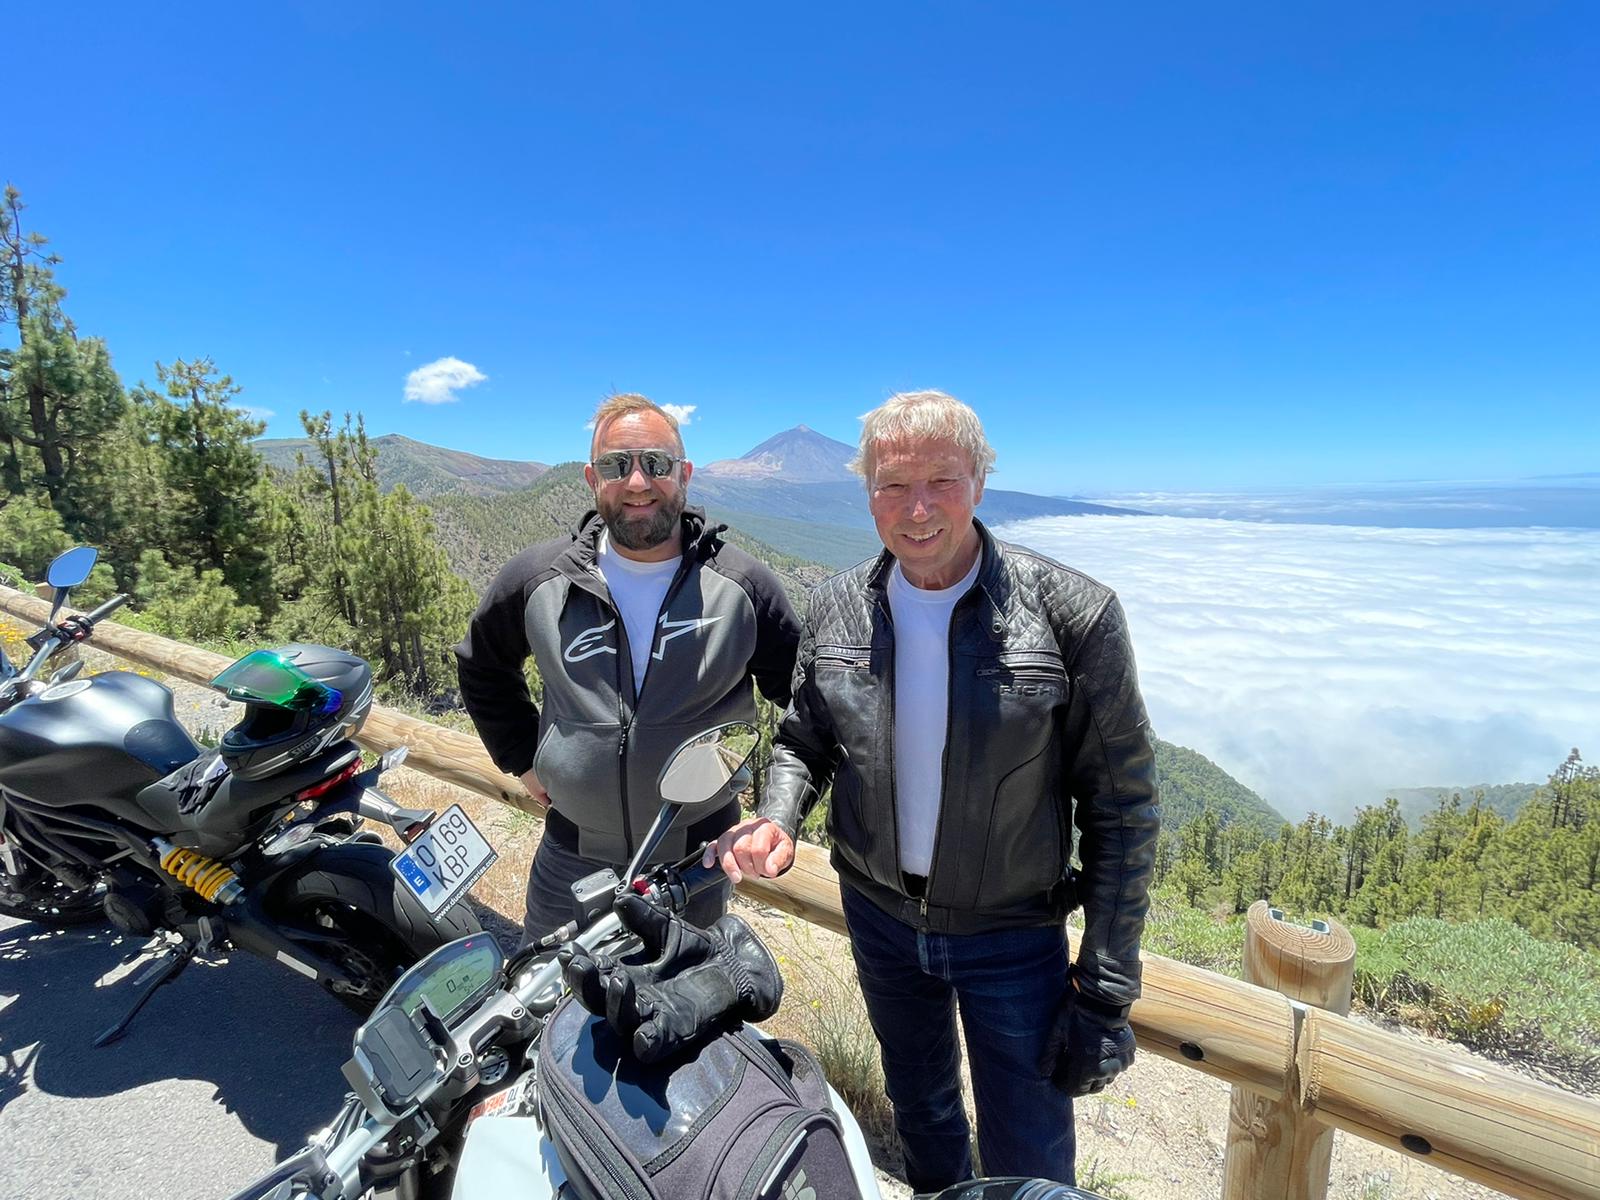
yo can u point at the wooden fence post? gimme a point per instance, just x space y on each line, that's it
1276 1149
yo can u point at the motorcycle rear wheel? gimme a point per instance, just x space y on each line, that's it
348 889
45 900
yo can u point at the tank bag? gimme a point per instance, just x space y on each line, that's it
739 1117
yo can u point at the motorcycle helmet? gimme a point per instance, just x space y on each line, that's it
298 700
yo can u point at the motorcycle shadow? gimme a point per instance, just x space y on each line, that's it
250 1028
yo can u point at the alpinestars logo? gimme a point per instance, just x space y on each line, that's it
796 1188
672 629
592 641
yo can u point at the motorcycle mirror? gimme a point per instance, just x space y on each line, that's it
706 766
701 768
71 567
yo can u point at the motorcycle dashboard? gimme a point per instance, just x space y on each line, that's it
452 979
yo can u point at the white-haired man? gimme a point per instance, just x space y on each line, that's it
970 701
646 627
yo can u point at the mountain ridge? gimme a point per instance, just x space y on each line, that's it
426 470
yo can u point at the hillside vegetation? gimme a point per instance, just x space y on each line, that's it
1506 799
422 469
1192 784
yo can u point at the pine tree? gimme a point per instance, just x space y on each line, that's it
211 474
371 560
410 608
59 396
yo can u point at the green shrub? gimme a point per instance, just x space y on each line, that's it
188 606
1489 985
1193 935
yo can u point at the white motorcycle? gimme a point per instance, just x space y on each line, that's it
479 1077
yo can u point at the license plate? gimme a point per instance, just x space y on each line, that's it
445 860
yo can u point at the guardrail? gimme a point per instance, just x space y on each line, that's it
1293 1066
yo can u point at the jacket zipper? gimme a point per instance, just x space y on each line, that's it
1021 671
625 718
841 660
625 663
944 754
894 787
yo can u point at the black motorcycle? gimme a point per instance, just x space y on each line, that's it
109 811
476 1078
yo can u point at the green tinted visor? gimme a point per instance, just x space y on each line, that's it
264 677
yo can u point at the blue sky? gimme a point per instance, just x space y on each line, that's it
1163 247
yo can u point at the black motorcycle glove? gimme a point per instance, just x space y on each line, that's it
691 981
1090 1044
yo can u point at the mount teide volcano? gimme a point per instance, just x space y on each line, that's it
798 455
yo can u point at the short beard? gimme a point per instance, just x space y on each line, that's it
642 533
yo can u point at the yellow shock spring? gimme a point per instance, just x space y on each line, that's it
205 875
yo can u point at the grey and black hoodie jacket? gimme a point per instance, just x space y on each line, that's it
597 746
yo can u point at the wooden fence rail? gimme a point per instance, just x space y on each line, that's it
1432 1103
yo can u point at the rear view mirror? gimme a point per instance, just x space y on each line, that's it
72 567
703 767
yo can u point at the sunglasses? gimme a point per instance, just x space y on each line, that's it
657 464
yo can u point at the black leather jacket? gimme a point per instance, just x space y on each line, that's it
1047 729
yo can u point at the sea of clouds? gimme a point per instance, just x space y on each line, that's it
1323 664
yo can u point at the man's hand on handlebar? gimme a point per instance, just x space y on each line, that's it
757 847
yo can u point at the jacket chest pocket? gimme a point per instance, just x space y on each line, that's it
1023 675
842 658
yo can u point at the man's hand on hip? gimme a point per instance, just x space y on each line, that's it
757 847
530 781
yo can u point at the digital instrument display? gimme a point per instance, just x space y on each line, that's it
451 979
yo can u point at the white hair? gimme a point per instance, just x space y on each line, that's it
928 414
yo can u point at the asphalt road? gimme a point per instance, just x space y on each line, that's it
225 1071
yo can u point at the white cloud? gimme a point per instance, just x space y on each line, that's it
257 414
1323 664
437 382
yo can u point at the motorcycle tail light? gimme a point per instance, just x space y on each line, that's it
328 784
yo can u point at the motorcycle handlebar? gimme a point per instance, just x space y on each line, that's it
686 880
106 609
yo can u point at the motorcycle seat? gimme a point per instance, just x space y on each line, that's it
203 798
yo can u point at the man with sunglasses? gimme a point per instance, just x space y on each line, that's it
646 628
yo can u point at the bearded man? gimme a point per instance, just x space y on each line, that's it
646 627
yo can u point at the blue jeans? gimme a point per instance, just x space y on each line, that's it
1007 986
555 869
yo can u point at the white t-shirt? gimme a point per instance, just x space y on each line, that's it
921 709
637 589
